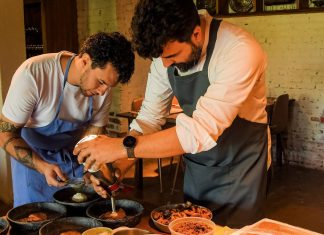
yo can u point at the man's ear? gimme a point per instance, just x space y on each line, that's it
197 36
86 60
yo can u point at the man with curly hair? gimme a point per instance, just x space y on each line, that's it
52 101
216 71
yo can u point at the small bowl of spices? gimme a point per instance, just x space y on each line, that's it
192 226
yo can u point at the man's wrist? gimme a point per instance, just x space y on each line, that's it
129 143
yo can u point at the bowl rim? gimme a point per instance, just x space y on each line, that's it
114 220
172 206
12 210
195 219
76 218
102 227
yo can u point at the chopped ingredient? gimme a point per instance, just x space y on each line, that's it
168 215
119 214
34 217
79 197
192 228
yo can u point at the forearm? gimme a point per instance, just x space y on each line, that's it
94 130
14 145
158 145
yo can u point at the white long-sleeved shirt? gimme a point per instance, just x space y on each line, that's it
237 87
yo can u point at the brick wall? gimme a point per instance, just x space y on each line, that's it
137 85
295 47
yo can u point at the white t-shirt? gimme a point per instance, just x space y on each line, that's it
237 87
34 93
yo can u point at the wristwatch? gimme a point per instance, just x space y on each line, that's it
129 143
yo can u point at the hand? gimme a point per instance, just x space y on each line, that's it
107 174
53 174
99 190
123 166
86 178
96 152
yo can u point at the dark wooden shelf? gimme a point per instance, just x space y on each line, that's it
277 12
223 9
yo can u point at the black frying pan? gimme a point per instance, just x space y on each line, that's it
79 224
51 209
64 197
133 209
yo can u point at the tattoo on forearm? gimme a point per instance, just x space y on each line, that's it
25 156
8 127
8 141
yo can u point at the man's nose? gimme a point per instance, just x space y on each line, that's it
167 62
102 89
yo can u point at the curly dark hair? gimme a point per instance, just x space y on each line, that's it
156 22
114 48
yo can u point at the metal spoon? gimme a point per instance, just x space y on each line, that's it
113 207
75 183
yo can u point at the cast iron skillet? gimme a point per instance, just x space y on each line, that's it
51 209
64 196
79 224
4 225
133 209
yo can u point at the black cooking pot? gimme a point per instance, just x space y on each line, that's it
133 209
79 224
51 209
4 225
14 231
64 197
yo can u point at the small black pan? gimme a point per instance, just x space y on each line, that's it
133 209
51 209
64 197
79 224
4 225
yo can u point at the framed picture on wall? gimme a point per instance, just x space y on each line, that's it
241 6
315 3
280 5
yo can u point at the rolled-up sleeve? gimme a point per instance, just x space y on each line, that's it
157 102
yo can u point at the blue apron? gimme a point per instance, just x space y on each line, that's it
54 143
230 178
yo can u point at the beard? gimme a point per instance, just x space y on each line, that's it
193 59
81 86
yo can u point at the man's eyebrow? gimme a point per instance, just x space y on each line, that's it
170 56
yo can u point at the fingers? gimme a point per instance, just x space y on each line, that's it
60 174
96 186
86 178
90 163
117 172
83 154
77 148
54 176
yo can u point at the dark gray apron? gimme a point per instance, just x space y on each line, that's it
230 178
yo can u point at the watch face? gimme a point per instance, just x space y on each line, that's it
129 141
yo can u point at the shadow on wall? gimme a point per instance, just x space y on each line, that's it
305 146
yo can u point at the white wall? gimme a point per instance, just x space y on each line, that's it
295 47
12 54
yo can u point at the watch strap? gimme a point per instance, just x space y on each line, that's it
130 152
